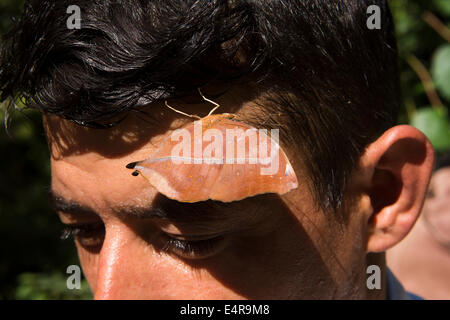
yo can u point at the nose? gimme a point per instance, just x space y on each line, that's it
129 267
123 265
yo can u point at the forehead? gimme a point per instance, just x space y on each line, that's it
140 129
91 163
67 139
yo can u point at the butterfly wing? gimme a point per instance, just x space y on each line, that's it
211 167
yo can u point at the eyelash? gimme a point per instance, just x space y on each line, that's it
89 235
189 249
193 249
69 232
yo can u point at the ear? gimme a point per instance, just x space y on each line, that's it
398 167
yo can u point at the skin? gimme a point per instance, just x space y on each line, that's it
424 271
274 247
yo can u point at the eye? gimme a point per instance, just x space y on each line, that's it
87 235
201 247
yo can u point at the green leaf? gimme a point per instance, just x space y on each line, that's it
440 70
435 125
43 286
443 6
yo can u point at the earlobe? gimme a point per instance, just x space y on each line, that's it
400 163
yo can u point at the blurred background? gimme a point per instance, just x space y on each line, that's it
33 260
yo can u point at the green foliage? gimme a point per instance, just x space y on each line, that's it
417 37
434 123
443 6
38 286
440 70
8 9
408 25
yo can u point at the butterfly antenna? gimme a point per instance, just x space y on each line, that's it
210 101
181 112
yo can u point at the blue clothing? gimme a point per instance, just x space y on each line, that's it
395 290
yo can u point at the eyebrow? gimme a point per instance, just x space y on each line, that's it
59 203
164 209
64 205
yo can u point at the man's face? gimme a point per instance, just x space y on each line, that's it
134 243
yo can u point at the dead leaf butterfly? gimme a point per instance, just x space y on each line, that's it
218 158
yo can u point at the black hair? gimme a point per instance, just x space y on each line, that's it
316 61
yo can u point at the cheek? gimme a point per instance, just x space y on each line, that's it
282 263
136 270
268 266
334 243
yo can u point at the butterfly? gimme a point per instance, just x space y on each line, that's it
218 158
